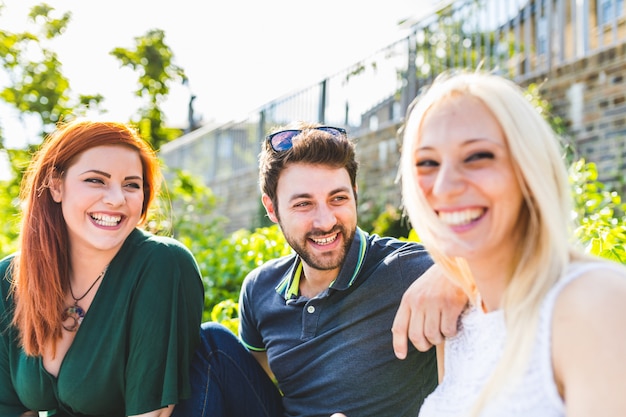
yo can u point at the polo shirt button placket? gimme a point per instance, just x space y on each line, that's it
310 317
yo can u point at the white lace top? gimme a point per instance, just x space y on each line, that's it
472 355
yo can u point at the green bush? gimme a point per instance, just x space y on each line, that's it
599 214
225 265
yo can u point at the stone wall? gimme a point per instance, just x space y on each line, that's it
589 95
379 157
239 200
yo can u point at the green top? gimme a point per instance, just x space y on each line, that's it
132 351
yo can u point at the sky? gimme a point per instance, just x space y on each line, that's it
237 54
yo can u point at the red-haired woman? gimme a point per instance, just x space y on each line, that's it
97 317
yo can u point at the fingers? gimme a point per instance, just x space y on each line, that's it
408 325
400 329
432 331
450 315
428 313
448 326
454 306
418 334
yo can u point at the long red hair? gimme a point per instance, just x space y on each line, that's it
41 267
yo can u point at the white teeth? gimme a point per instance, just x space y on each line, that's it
105 220
325 241
460 218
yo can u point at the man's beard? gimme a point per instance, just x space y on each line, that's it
323 262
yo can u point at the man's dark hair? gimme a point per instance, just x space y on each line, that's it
311 146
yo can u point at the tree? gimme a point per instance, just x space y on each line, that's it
41 95
153 59
36 85
39 92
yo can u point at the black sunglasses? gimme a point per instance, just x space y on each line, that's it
282 141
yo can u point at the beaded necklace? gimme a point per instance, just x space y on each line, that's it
76 312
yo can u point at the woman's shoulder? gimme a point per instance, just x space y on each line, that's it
157 245
5 277
148 252
587 335
591 284
590 301
5 268
6 261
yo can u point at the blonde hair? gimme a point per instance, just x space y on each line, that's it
544 247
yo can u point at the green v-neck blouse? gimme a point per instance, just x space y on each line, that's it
132 352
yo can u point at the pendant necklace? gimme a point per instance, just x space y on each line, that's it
76 312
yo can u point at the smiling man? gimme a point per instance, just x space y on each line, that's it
319 321
316 326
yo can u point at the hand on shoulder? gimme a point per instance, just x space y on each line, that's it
428 312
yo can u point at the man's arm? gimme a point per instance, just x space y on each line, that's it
261 357
428 312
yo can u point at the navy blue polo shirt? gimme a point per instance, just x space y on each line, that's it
334 352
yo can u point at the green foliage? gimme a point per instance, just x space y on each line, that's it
192 208
9 202
225 265
38 90
224 261
9 218
599 214
379 217
533 94
413 236
391 222
153 59
36 85
227 313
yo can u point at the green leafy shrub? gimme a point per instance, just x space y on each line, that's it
599 214
225 265
227 313
390 222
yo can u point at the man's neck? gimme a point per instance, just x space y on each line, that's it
314 281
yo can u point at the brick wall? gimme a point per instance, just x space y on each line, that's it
239 200
590 95
379 157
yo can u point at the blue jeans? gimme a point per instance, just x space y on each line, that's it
227 381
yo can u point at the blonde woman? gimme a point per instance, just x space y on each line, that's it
486 189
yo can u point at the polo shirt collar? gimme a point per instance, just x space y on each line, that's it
290 284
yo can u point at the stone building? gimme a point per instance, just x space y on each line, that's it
574 49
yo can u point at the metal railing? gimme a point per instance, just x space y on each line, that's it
523 39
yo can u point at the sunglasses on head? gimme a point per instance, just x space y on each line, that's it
282 141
